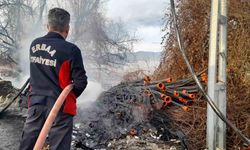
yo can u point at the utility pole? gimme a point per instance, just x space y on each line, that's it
216 129
222 73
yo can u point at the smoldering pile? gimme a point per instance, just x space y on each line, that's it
7 91
137 110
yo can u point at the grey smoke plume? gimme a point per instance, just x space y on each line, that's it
90 94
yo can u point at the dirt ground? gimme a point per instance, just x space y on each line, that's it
11 124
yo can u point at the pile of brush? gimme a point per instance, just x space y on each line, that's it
136 109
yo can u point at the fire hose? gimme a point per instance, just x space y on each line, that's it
208 98
51 117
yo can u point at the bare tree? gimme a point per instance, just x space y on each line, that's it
19 18
11 26
104 42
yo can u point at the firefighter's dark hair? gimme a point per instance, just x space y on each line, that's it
58 19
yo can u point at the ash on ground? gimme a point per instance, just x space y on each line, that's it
12 120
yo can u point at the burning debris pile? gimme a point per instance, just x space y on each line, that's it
134 113
7 91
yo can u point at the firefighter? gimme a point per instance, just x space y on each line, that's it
54 64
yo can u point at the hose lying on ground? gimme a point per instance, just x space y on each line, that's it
18 94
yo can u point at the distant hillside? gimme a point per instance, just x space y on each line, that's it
143 56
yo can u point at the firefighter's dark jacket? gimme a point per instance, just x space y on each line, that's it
54 64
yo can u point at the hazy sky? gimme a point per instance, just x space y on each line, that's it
144 17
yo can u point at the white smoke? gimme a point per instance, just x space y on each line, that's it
23 54
90 94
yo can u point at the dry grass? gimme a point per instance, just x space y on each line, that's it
194 18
